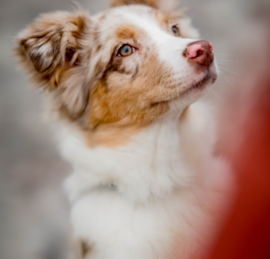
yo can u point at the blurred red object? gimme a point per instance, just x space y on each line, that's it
246 234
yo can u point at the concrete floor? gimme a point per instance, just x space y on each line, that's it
34 220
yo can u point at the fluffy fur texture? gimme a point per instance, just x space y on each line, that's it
145 183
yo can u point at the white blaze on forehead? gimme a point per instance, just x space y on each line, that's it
168 47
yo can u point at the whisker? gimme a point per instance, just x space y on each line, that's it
230 70
227 60
225 69
215 94
224 78
222 54
207 34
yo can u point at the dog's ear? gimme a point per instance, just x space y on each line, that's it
51 50
164 6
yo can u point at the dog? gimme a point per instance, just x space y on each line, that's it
123 88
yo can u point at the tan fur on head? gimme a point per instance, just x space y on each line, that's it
166 6
51 50
75 58
152 3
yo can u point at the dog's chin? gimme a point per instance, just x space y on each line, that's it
194 91
201 85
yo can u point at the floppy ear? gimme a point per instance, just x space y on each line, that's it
164 6
51 50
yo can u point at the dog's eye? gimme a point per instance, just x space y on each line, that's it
175 30
125 51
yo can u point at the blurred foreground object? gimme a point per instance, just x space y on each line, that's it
246 234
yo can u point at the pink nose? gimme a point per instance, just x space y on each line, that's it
200 52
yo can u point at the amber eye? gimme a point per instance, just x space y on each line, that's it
175 30
126 50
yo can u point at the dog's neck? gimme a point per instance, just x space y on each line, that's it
151 164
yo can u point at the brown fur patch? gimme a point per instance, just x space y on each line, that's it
173 16
126 32
152 3
99 68
165 6
111 136
50 50
161 18
85 248
184 116
128 101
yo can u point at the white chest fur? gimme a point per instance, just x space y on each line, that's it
151 198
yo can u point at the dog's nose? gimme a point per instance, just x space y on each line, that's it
200 52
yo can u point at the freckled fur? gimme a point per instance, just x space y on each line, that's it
42 49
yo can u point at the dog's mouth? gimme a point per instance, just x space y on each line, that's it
197 87
201 84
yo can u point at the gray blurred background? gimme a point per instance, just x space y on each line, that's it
34 220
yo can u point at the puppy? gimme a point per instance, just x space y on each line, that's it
123 87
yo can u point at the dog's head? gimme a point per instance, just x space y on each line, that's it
125 66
